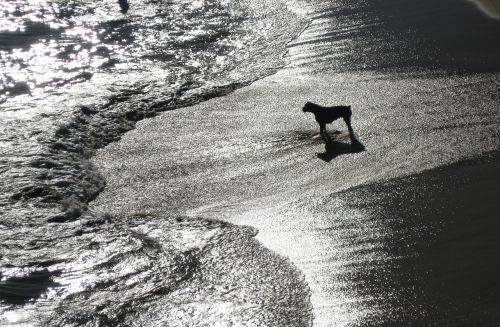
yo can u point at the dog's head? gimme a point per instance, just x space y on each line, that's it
307 107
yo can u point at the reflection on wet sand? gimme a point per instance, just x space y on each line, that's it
489 7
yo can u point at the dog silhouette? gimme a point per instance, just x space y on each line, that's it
326 115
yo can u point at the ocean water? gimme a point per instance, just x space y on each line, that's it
161 56
133 236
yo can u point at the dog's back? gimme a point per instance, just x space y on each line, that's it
326 115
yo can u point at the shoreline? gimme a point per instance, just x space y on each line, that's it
91 128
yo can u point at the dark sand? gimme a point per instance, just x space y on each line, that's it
442 231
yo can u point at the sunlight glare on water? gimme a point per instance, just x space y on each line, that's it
43 46
51 44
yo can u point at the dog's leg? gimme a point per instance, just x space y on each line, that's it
322 128
347 120
324 134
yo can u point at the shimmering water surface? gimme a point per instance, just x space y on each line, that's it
46 45
134 235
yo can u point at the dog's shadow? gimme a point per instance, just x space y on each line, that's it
336 147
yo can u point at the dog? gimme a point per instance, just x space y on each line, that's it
326 115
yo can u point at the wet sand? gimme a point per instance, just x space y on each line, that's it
440 236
